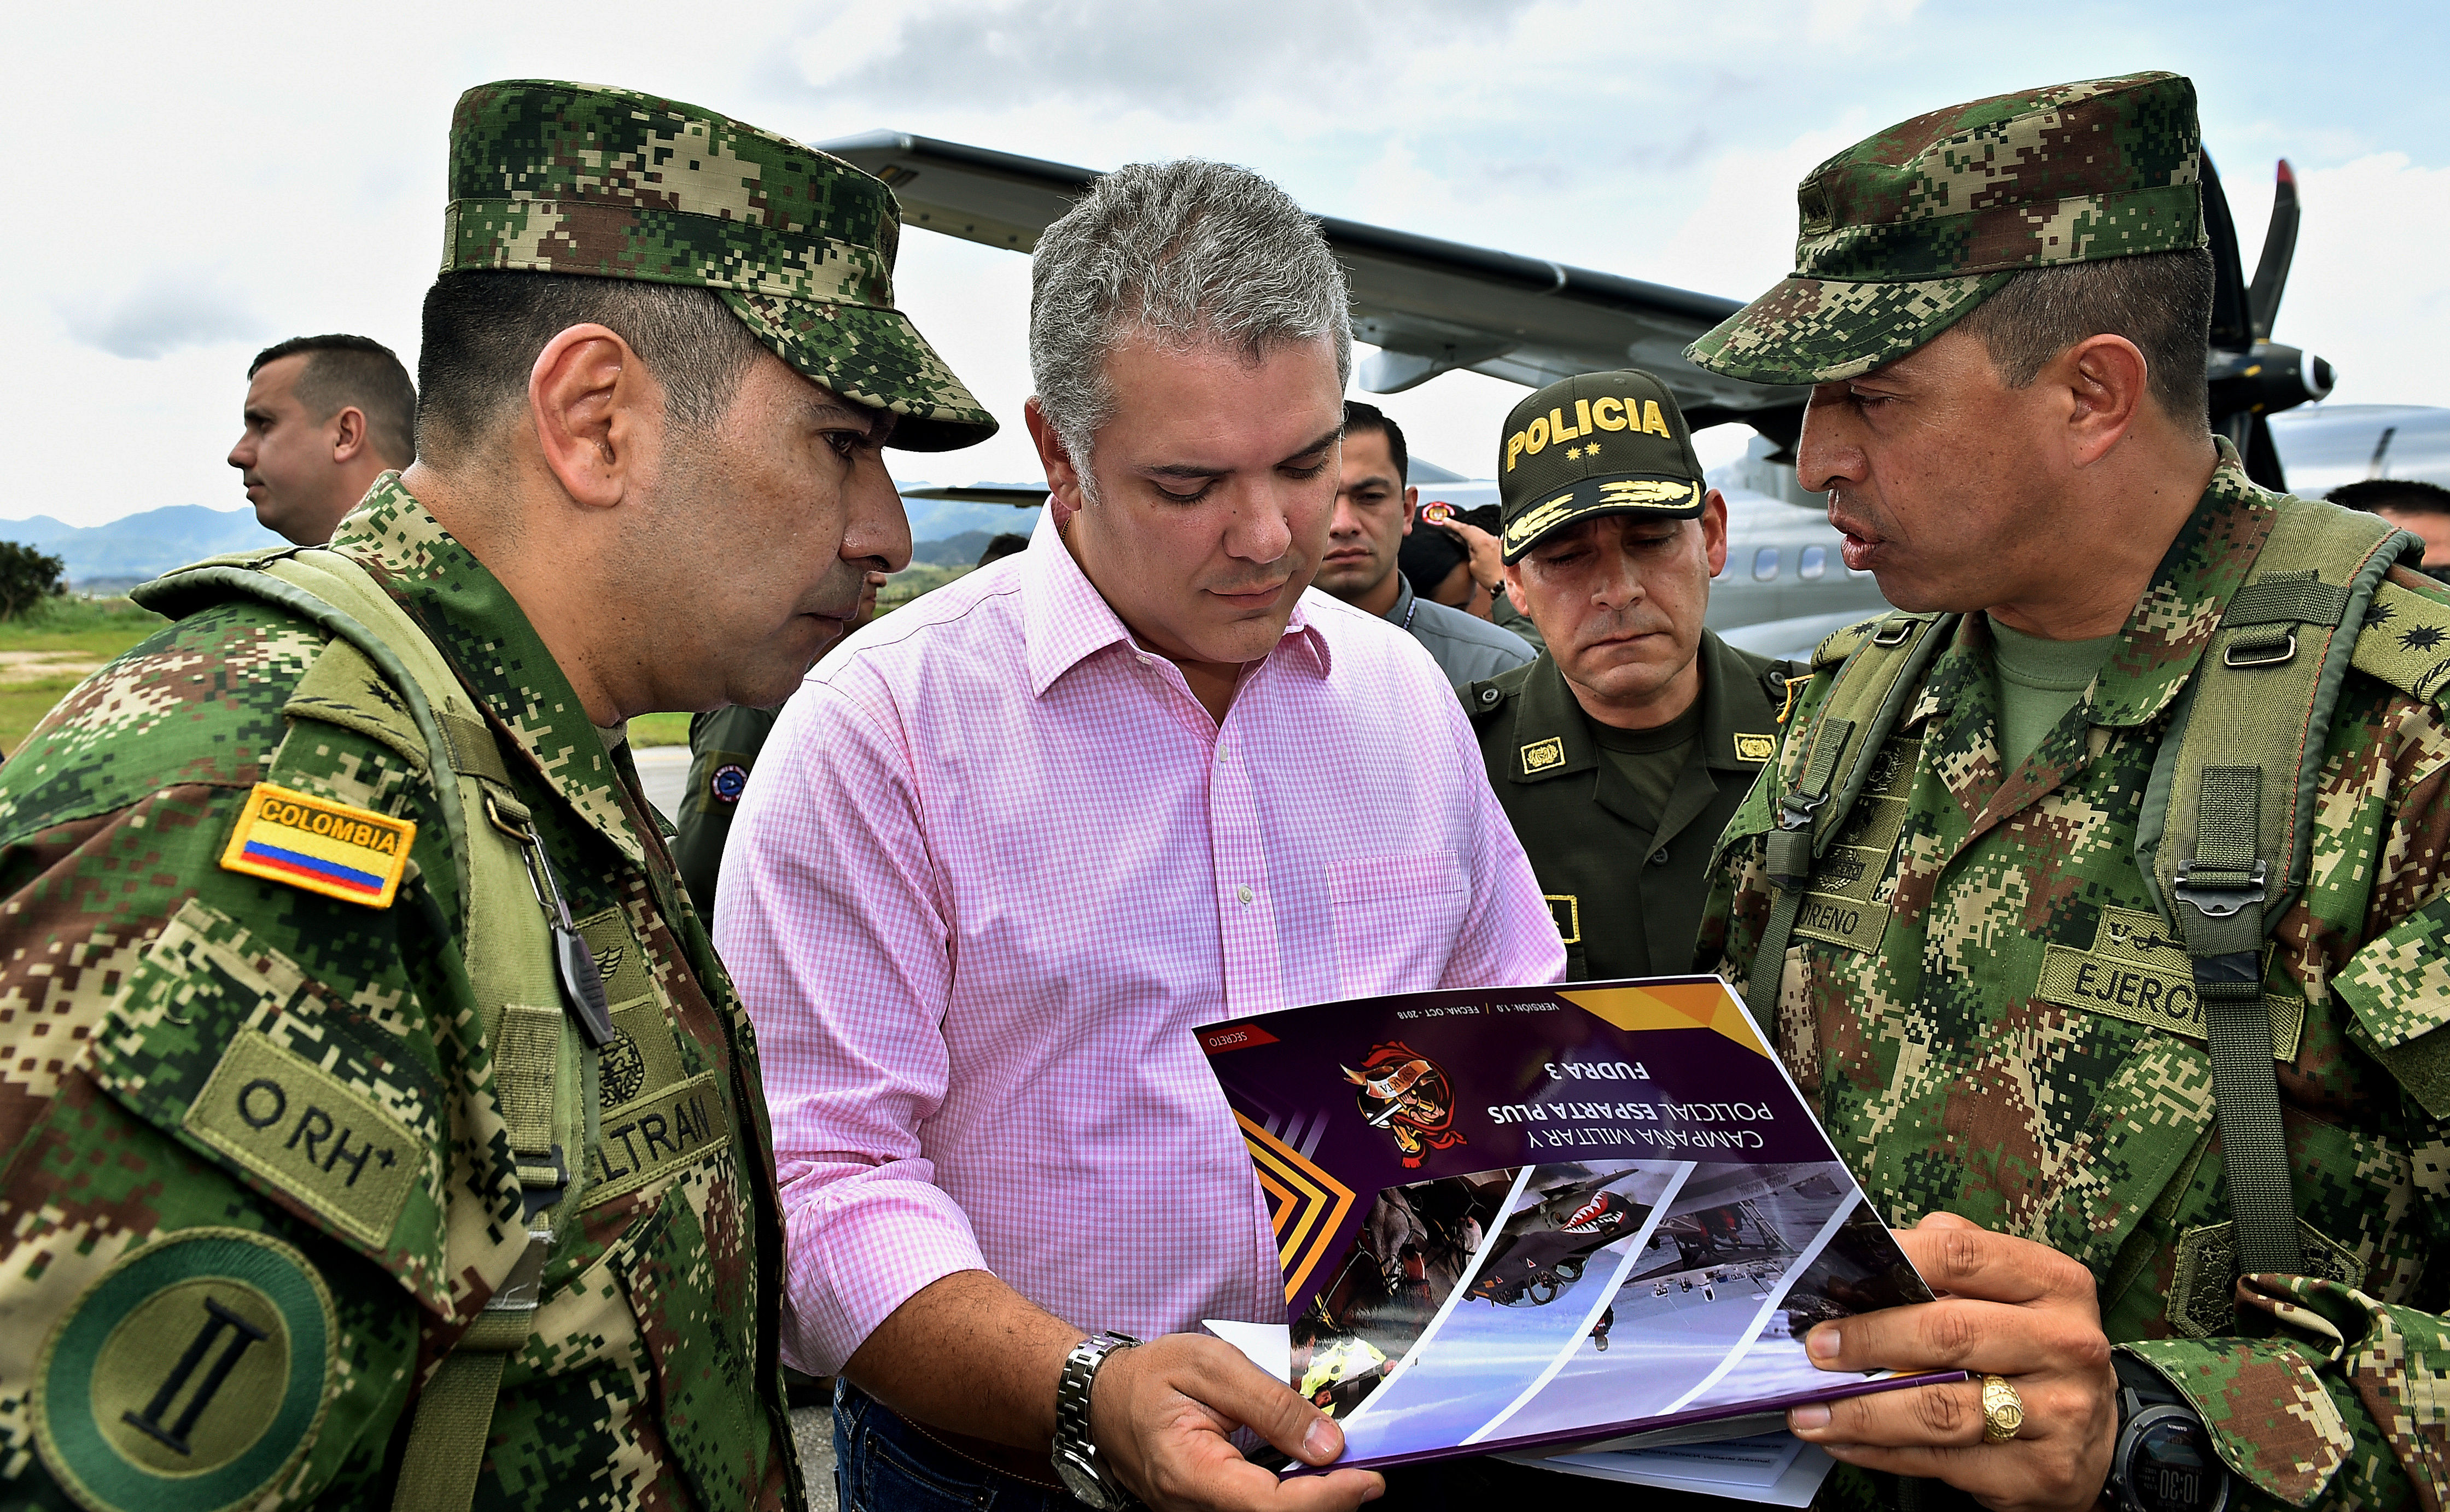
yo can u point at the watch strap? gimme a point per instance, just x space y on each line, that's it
1072 1396
2150 1388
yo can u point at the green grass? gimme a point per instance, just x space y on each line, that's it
103 628
99 628
22 703
92 630
659 730
904 586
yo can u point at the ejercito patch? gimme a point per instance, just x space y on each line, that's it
326 847
2138 970
188 1377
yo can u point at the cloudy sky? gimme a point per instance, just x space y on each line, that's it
205 181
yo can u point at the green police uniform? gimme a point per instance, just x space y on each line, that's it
1997 1007
379 1127
723 751
1624 876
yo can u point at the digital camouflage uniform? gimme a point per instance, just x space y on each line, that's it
257 1189
1980 996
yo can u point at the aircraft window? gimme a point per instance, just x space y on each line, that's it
1814 562
1765 564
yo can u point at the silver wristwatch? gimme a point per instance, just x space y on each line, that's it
1084 1471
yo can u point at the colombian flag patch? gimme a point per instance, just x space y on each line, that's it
322 846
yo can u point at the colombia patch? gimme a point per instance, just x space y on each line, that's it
326 847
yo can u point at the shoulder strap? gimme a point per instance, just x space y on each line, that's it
1883 666
2228 842
520 961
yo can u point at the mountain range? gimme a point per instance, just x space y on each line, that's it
135 547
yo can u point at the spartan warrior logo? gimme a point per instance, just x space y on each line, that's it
1408 1094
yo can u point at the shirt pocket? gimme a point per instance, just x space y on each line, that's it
2398 988
1395 919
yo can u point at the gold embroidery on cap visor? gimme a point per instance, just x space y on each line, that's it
1675 498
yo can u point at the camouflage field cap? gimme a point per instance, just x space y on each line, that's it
548 177
1602 443
1906 231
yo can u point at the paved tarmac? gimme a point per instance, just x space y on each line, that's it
664 769
812 1429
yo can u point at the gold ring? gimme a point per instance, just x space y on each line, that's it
2003 1410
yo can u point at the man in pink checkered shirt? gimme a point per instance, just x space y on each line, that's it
1013 843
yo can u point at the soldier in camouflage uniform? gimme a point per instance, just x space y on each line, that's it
262 1181
1980 994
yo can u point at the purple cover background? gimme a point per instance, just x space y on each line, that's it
1497 1057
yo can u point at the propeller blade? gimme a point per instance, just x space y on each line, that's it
2231 327
2279 250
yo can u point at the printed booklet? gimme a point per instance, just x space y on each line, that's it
1549 1219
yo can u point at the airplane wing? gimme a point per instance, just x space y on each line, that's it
1431 306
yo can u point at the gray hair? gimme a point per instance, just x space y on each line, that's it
1186 254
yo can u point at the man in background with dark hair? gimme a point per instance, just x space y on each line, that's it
1374 506
325 415
2097 898
420 1154
2421 509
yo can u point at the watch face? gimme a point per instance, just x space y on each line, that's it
2171 1468
1080 1480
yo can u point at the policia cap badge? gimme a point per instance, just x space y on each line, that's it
1603 443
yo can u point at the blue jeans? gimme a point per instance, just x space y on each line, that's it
883 1464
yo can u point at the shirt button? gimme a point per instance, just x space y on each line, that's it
1488 696
1243 894
1659 857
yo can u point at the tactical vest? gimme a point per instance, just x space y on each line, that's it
536 983
2228 820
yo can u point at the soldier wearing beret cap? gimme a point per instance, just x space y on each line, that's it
2097 897
380 1127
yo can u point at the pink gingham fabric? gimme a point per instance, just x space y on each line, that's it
996 864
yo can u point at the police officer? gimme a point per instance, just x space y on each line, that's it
1619 754
2098 901
380 1128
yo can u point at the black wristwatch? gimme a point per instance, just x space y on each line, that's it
1084 1471
2165 1460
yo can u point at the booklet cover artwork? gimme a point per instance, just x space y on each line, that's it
1548 1217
